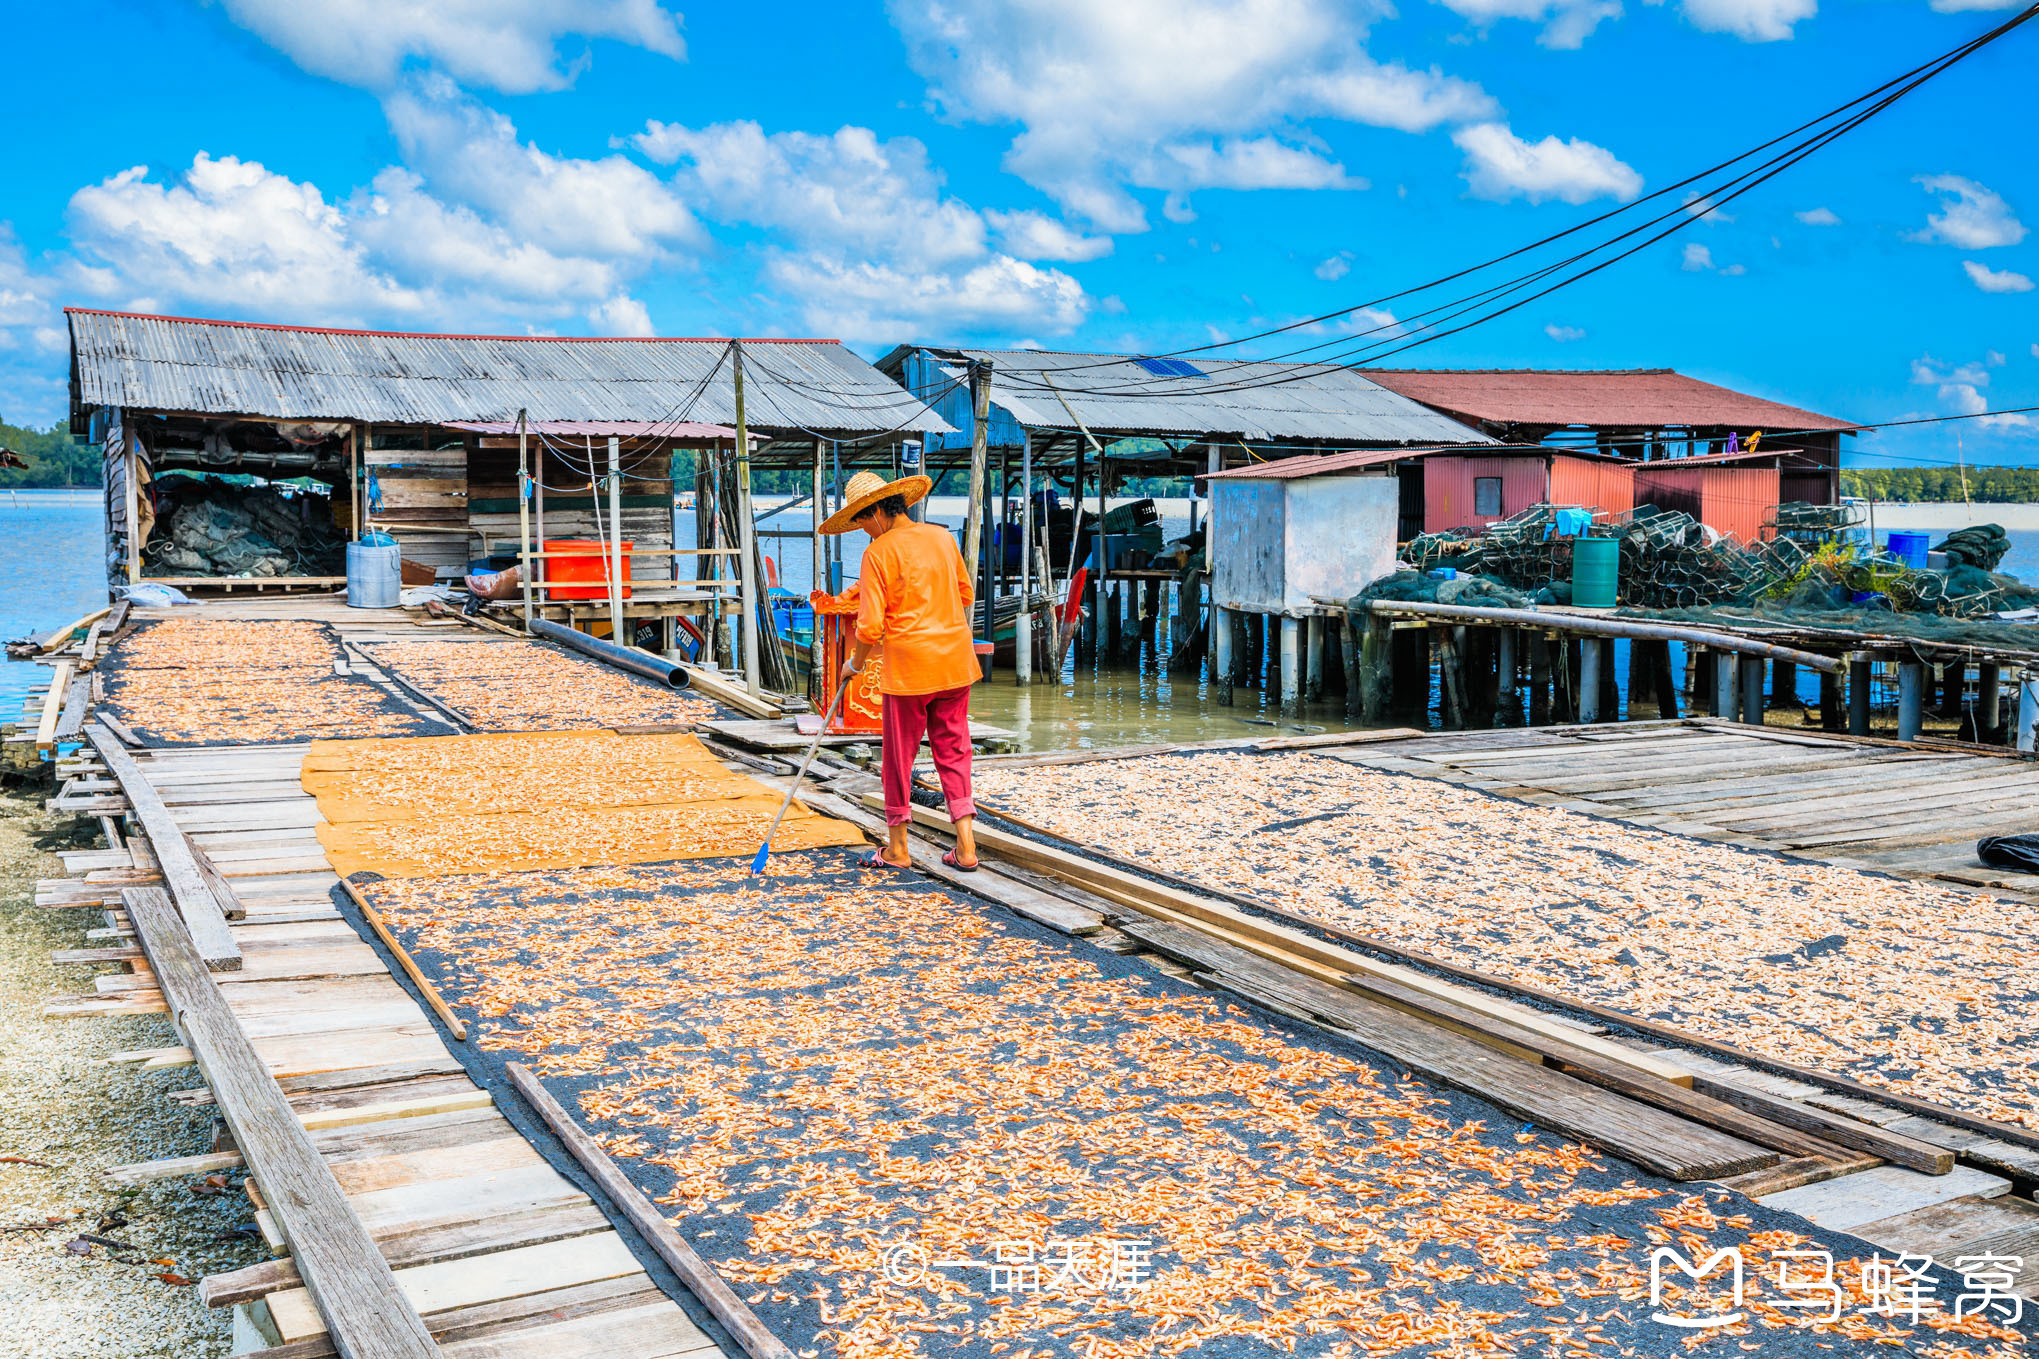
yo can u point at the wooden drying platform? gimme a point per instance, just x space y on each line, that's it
1894 807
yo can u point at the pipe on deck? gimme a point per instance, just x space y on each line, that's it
1608 627
651 667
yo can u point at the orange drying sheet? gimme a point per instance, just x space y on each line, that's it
533 800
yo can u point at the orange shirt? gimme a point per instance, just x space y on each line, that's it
914 599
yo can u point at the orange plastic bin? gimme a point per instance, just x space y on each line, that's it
581 561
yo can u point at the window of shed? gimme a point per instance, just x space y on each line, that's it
1487 495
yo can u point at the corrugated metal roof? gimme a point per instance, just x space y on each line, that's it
600 429
1326 464
1115 393
297 372
1636 398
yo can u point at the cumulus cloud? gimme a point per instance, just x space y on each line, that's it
1566 23
1698 258
1500 165
230 236
1960 389
1749 20
1963 6
1564 334
1996 280
853 216
1334 267
1972 217
605 207
1820 217
507 45
1193 88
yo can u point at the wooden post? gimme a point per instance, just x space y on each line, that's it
1860 674
1666 682
1539 679
524 508
976 550
134 501
1699 667
1783 685
2028 712
1223 664
1726 684
1349 661
746 531
1833 712
1989 698
1911 699
616 542
354 481
1150 618
1750 669
1590 658
1023 625
1291 666
1610 687
819 686
1313 659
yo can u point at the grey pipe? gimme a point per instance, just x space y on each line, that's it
1608 627
651 667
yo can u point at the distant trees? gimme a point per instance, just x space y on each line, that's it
1988 485
53 458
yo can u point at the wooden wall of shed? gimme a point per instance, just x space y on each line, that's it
421 476
570 511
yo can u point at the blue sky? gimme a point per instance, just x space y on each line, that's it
1142 175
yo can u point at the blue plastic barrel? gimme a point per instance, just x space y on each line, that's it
1596 572
374 572
1910 548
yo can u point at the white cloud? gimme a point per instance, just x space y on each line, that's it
1564 334
1974 217
1960 389
866 300
1820 217
1500 165
610 206
1567 23
1334 267
858 216
1698 258
1706 210
1963 6
1103 92
1749 20
232 233
233 237
1033 235
1996 280
507 45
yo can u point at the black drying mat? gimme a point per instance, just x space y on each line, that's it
817 1071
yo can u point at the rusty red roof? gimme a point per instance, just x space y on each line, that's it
1633 398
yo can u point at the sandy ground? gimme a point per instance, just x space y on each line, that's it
59 1105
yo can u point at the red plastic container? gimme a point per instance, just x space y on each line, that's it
585 561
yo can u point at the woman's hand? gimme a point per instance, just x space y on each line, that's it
849 670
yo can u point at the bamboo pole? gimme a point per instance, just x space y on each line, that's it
746 531
1023 624
616 541
524 507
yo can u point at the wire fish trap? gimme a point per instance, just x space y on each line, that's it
1809 524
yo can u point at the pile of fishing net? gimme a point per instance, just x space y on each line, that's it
214 528
1405 587
1981 546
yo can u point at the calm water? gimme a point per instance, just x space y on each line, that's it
50 573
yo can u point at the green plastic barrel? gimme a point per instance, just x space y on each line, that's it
1596 570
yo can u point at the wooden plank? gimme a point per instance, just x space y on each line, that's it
1853 1200
77 704
1968 1226
202 912
52 703
1896 1148
721 1300
475 1279
1658 1142
345 1278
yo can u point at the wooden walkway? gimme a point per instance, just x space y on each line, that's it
1884 805
496 1251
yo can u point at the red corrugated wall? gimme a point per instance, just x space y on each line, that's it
1448 489
1733 500
1596 482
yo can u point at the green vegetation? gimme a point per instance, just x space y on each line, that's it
53 458
1986 485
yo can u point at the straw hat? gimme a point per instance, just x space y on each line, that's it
866 490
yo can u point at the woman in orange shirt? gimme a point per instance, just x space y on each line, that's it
913 600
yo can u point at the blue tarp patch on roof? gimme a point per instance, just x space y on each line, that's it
1171 368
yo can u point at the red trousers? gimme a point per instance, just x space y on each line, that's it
944 718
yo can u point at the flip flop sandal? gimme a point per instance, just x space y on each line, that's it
876 860
950 860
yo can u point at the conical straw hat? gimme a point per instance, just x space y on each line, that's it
866 490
